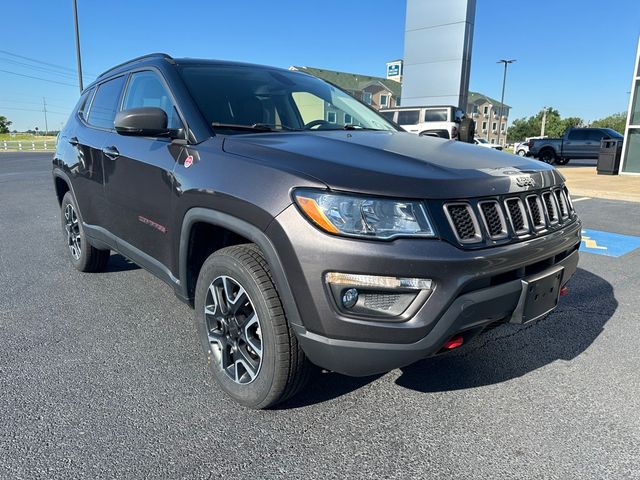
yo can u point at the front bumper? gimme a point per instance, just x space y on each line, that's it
473 289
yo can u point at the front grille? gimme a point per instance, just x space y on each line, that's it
550 206
562 203
463 221
491 221
535 209
517 215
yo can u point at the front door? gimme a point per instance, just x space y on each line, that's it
138 172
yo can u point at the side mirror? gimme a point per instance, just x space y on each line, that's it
144 122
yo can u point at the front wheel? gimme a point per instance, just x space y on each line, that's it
84 256
253 353
521 153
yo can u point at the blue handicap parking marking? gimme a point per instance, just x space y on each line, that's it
607 243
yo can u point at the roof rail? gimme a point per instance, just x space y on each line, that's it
137 59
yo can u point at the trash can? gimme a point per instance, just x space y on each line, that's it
609 156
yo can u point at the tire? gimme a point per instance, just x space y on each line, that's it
467 130
84 257
562 161
249 346
521 153
548 155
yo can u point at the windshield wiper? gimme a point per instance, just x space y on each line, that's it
259 127
351 126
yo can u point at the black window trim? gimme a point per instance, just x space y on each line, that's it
91 92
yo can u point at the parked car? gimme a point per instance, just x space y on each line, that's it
522 148
434 121
575 143
298 239
482 142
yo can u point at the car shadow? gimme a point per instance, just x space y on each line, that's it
118 263
511 351
501 354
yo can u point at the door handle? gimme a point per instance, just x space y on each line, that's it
111 152
74 141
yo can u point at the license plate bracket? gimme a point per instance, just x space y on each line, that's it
539 296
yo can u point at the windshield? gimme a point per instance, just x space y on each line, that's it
234 96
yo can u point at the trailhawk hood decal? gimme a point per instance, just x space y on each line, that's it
396 163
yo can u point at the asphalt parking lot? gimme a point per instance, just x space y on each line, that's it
101 376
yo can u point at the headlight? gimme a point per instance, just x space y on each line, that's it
368 217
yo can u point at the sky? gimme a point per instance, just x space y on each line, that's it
574 55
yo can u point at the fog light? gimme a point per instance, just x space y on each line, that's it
349 298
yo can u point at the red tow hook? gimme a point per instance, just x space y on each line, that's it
453 342
564 291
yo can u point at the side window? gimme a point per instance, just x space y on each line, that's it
408 117
388 115
83 104
145 89
105 103
595 135
435 115
577 135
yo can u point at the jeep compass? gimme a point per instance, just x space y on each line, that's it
304 228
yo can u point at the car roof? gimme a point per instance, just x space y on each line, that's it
155 59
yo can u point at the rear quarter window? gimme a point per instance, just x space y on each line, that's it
388 115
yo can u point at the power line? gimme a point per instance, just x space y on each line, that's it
39 68
39 78
33 110
40 61
6 100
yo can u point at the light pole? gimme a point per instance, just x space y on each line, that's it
504 81
75 17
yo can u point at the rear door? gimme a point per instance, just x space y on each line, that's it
139 181
575 143
592 148
95 121
409 119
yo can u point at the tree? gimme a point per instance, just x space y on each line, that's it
617 122
4 124
555 125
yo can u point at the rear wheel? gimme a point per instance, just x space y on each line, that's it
547 155
254 355
562 161
84 256
521 153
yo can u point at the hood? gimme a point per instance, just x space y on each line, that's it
395 164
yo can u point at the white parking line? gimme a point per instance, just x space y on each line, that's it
580 199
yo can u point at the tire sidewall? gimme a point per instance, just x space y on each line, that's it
254 393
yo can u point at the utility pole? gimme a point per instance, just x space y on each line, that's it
75 17
544 121
504 81
46 125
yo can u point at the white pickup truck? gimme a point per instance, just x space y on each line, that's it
436 121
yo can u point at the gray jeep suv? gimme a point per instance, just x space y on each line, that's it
302 226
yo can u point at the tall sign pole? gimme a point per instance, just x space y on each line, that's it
75 17
504 82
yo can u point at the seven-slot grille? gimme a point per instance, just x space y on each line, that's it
516 216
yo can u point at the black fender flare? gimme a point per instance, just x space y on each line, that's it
249 231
